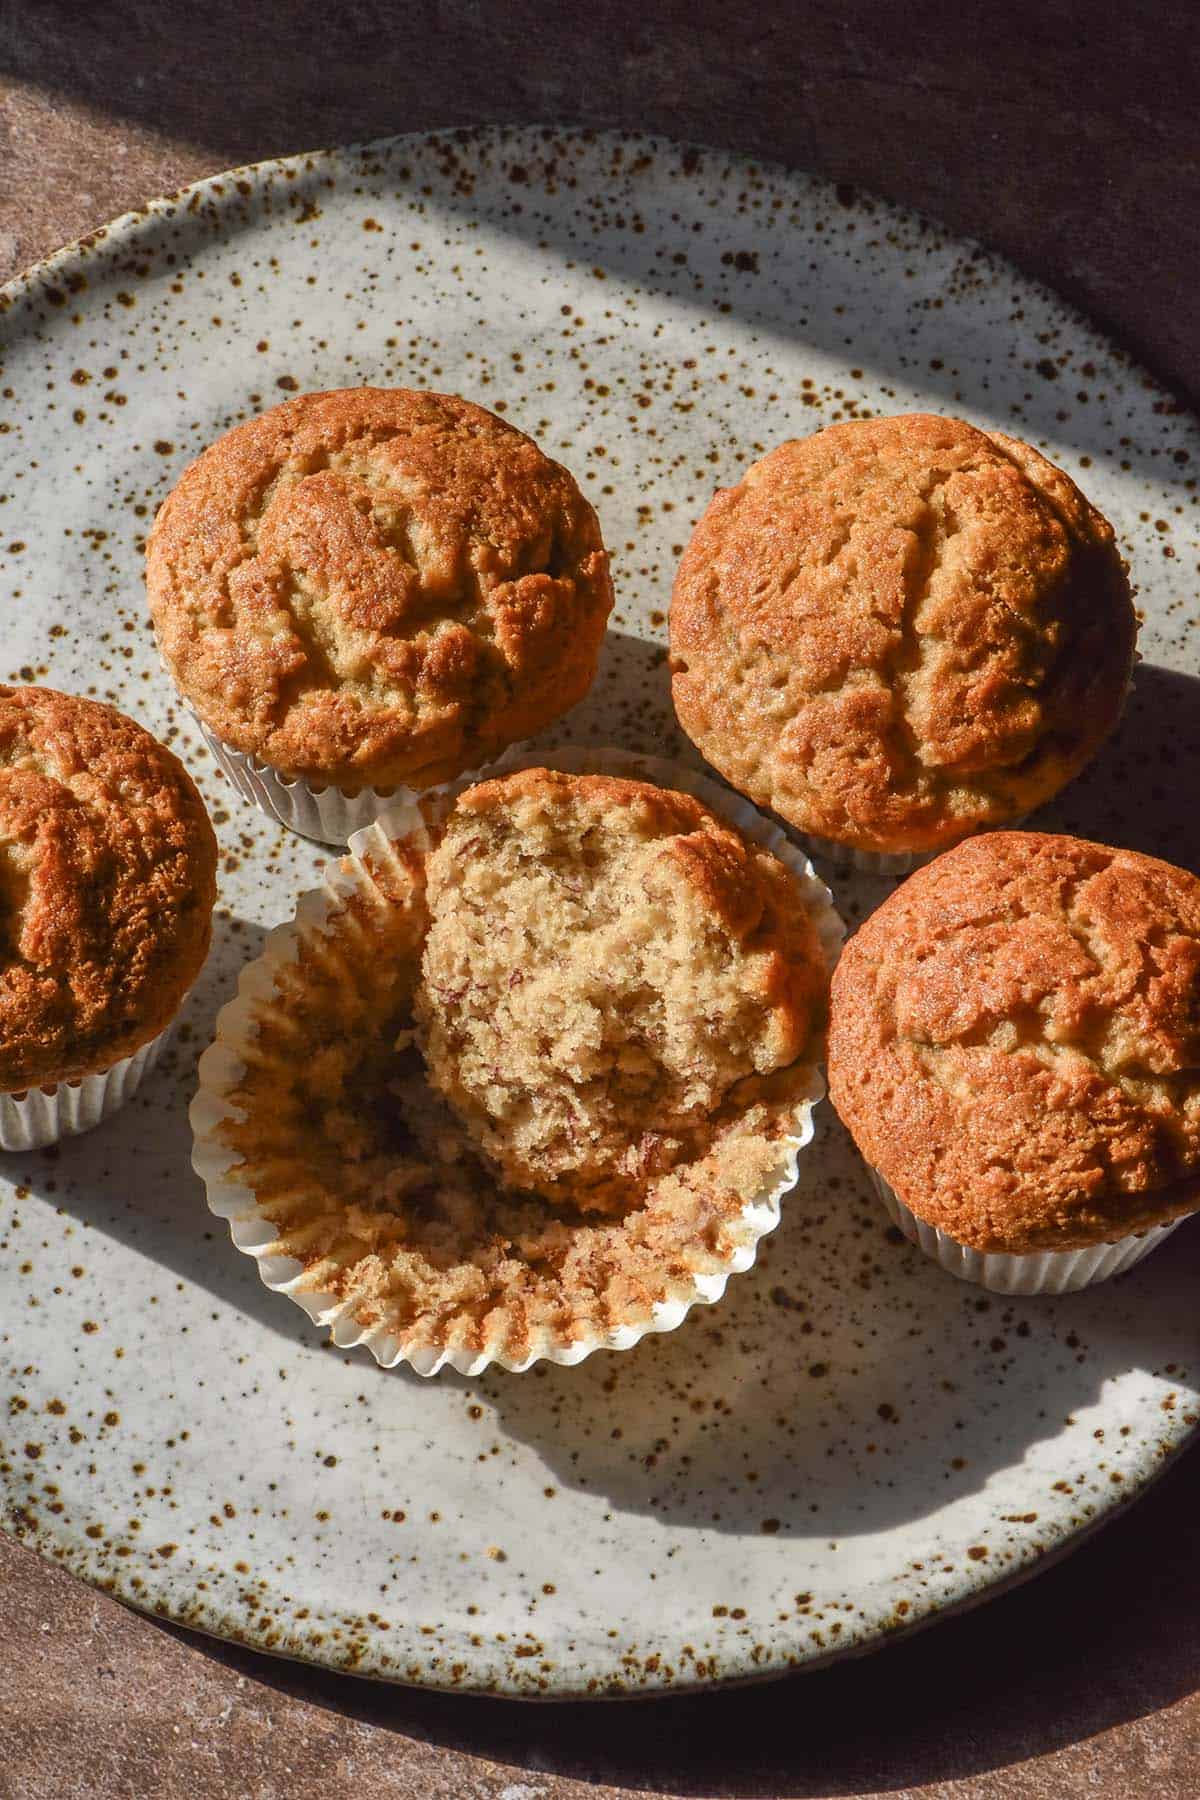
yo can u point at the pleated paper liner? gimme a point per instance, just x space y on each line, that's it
866 862
359 894
1038 1271
331 815
42 1115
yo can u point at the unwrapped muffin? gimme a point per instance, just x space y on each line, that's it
606 964
1015 1048
530 1077
898 632
107 881
374 587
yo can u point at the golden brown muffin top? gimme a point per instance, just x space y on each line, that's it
1015 1042
898 631
374 585
107 882
606 962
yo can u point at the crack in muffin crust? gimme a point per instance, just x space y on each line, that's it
900 631
372 586
1015 1042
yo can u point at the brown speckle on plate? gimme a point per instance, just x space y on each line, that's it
849 1428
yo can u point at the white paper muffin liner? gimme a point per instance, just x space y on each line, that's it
328 814
1036 1272
41 1116
222 1067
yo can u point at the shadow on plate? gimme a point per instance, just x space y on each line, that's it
628 705
132 1177
959 358
844 1387
1108 1636
953 355
1143 789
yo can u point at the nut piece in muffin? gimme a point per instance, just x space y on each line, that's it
900 631
606 962
604 1149
374 586
107 883
1015 1043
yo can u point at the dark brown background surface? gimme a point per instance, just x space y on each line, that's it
1067 135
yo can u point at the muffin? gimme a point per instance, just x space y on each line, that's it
371 588
605 965
107 881
1015 1048
529 1079
899 632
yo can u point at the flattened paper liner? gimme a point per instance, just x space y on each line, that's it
223 1065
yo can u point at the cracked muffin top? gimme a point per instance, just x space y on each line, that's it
607 966
900 631
1015 1042
107 882
374 586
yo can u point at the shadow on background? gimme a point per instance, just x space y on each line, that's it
856 94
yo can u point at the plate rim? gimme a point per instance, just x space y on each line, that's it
126 224
155 1598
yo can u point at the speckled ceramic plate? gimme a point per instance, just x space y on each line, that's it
852 1442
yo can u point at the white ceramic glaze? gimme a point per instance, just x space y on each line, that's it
851 1443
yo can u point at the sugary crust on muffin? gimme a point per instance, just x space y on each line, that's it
107 882
899 631
1015 1042
378 1188
606 962
375 585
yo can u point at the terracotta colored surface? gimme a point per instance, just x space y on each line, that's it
1078 153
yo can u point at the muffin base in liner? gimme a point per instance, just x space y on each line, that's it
223 1065
1036 1271
328 814
42 1116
